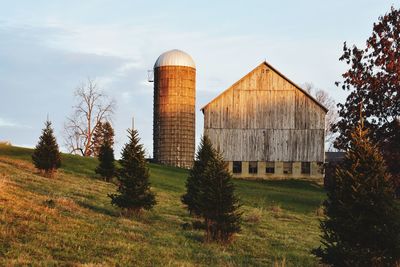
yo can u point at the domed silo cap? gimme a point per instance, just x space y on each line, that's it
175 58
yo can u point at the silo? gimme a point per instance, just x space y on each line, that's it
174 109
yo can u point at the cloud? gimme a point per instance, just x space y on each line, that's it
11 124
5 123
120 72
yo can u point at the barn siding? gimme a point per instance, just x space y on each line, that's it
264 117
268 144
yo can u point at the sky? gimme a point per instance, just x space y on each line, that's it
48 48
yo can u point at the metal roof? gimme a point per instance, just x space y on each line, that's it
174 57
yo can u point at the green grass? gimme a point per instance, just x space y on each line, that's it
72 164
68 220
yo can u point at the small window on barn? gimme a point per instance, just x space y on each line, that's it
305 167
287 167
253 167
237 167
270 167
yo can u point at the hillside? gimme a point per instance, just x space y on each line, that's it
69 220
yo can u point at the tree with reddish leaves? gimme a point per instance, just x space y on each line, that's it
373 80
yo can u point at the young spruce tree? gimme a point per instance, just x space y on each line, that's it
46 156
106 167
210 194
362 224
134 188
194 182
219 205
103 133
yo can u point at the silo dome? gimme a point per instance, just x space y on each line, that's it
175 57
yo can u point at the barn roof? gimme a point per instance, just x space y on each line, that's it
280 74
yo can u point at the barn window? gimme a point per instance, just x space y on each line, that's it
252 166
270 167
305 167
287 168
237 167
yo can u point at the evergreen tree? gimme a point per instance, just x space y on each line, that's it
46 156
210 194
391 154
103 133
106 167
219 206
362 224
134 188
108 133
196 176
97 139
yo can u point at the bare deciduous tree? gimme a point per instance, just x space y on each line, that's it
92 107
331 117
309 87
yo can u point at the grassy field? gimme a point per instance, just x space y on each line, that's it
68 220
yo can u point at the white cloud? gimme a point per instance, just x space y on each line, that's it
5 123
11 124
118 73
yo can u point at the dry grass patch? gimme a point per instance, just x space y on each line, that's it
19 164
280 263
67 204
254 216
276 209
320 211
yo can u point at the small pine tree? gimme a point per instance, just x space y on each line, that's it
219 205
106 167
134 188
103 133
108 133
210 194
196 176
97 139
46 156
362 224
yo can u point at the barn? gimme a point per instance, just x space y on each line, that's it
266 126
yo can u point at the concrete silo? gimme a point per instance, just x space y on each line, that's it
174 109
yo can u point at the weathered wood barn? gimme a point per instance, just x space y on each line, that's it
267 127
